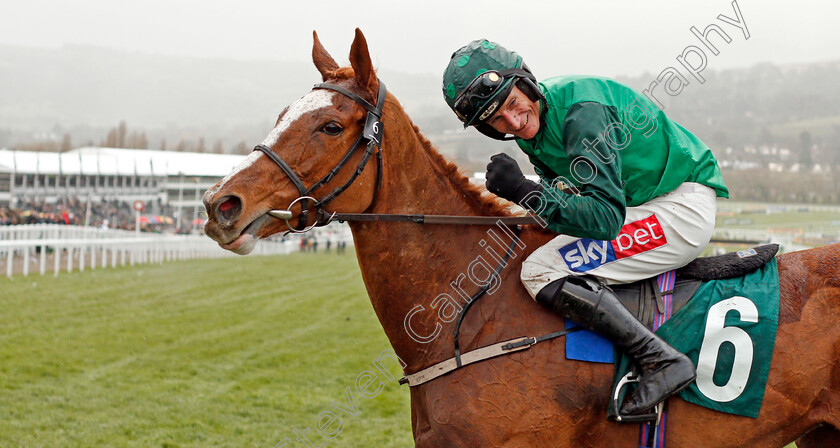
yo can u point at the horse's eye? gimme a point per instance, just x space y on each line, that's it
332 128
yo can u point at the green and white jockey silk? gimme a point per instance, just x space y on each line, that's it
728 329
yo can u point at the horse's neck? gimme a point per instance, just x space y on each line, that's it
406 265
417 180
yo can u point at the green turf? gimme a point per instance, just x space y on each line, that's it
213 353
807 221
795 226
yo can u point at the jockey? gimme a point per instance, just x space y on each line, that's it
643 197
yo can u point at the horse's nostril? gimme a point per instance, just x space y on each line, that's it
230 208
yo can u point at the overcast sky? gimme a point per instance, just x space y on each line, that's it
605 38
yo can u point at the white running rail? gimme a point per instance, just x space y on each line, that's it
26 246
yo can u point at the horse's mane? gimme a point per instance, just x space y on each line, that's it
487 204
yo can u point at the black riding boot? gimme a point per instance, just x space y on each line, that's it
585 300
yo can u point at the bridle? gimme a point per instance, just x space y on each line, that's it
371 135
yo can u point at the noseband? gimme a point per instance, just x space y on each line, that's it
371 134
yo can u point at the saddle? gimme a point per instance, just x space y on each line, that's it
644 300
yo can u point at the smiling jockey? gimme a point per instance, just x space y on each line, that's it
644 199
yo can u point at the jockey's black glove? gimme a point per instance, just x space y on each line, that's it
505 179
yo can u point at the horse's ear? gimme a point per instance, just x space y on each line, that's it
323 61
360 61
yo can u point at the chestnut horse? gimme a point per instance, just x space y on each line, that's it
531 398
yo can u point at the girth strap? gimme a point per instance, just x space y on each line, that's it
479 354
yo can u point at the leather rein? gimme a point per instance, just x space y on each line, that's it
371 137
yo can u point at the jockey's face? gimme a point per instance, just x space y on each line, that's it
518 116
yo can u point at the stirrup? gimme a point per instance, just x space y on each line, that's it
615 406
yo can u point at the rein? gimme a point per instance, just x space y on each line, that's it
430 219
372 135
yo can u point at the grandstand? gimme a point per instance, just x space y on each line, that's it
173 179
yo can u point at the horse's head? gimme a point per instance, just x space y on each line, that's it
312 136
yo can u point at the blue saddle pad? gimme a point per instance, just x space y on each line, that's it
585 345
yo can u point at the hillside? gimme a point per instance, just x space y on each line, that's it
84 91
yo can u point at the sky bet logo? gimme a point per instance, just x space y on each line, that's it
636 237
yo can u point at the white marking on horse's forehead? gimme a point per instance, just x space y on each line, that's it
312 101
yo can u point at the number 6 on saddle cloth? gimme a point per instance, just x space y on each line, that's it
732 298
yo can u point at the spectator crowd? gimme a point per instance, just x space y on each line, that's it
112 214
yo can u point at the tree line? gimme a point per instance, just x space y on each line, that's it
120 137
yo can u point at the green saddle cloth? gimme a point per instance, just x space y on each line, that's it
728 329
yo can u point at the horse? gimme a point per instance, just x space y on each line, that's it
530 398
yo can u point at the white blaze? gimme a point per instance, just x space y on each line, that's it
314 100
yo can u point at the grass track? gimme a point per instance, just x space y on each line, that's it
224 353
212 353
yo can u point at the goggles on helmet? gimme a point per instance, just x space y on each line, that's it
476 96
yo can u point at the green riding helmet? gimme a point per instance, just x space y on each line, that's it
479 78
